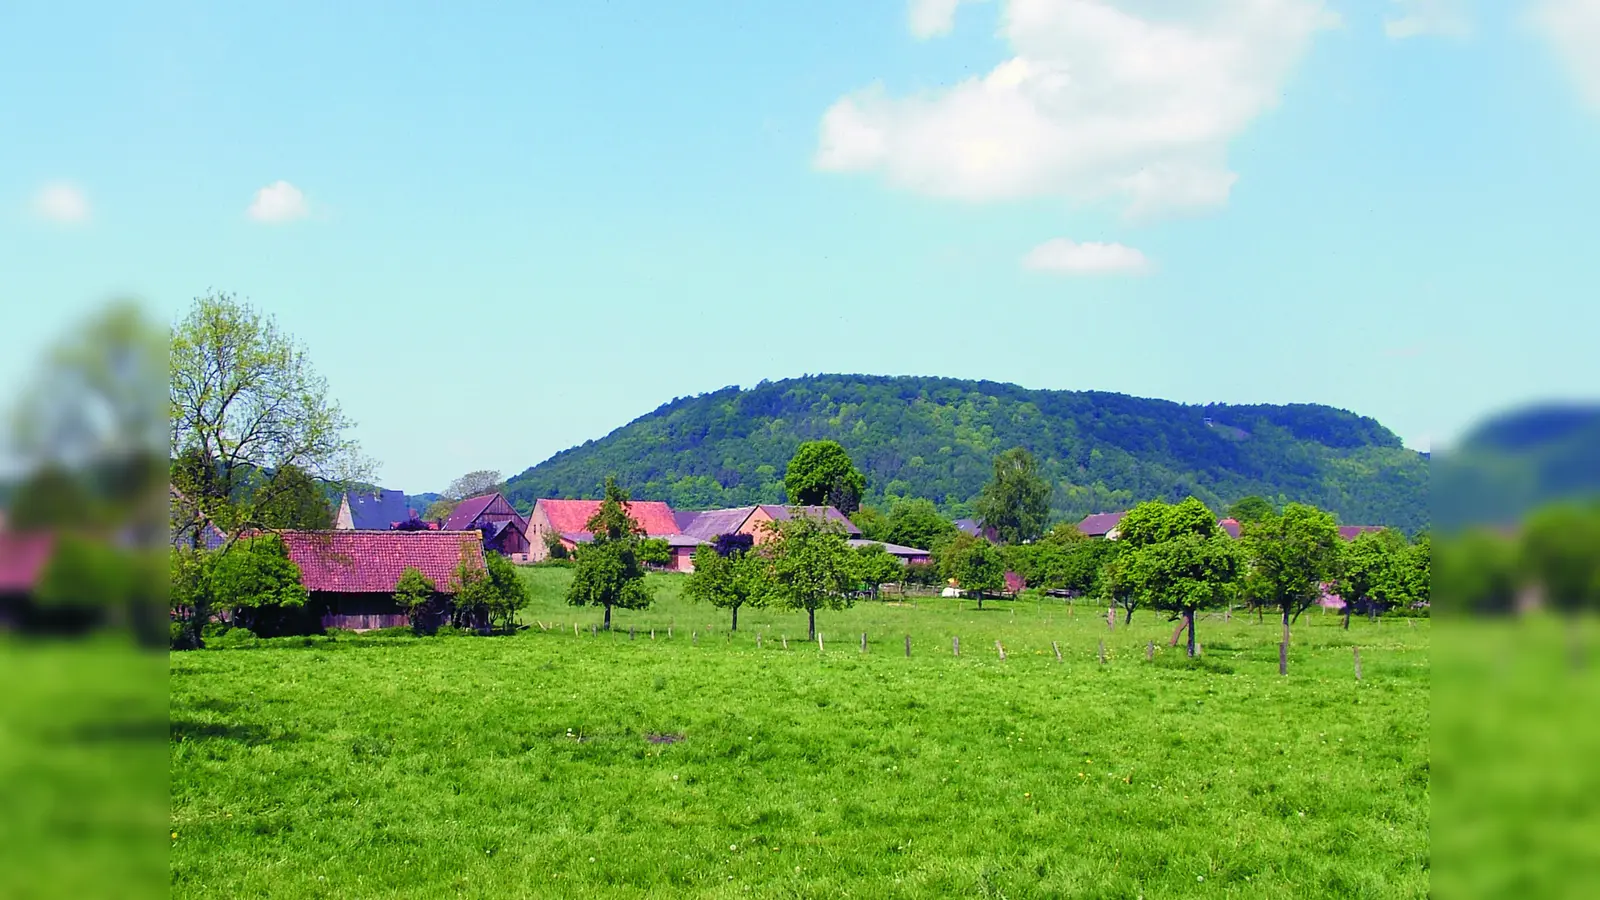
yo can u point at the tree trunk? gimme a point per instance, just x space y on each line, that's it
608 617
1347 605
812 613
735 618
1128 620
1188 618
1286 624
980 599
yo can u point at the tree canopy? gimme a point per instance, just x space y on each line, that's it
822 474
1016 501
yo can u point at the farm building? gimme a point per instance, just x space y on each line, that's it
752 520
351 575
567 522
504 531
372 512
906 555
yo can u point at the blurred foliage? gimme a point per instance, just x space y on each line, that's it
937 438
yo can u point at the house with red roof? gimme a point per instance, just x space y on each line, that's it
755 520
352 575
566 522
504 530
23 557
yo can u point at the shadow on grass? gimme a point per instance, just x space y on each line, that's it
182 730
1183 662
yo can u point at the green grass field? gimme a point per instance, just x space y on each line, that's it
524 766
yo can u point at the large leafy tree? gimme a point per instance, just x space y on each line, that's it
1183 574
1291 556
609 572
474 484
1016 501
738 579
977 566
1561 554
1371 570
1154 521
249 415
917 523
821 473
296 501
812 566
1252 509
416 595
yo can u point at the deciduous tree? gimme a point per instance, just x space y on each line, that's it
415 594
474 484
1252 509
609 572
732 581
812 566
821 473
1016 501
979 569
875 567
1183 574
917 523
247 409
1291 556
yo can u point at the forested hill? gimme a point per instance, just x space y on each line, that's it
936 438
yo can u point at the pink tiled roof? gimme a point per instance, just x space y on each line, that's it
781 513
1351 532
565 516
22 560
372 561
1231 526
461 517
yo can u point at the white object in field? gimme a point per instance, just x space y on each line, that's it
951 592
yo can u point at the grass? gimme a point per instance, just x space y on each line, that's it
548 764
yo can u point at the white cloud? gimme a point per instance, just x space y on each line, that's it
62 202
1573 29
1132 103
278 202
1423 18
1089 258
931 18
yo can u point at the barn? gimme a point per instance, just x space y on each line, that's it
351 575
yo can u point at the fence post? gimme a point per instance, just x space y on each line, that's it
574 629
1283 658
694 637
1000 650
1358 662
955 646
594 630
863 642
1111 618
630 632
908 646
669 632
1150 651
758 640
652 634
1102 651
1057 648
819 642
786 642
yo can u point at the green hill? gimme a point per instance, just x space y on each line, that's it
936 437
1519 460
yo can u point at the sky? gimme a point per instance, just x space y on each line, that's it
503 231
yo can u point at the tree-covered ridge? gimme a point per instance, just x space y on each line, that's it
937 438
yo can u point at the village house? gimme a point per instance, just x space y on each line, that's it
372 512
566 522
352 575
504 531
1101 525
976 528
710 524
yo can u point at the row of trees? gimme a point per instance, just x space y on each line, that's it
803 564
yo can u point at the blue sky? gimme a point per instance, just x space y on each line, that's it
501 233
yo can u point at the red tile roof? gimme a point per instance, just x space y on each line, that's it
466 511
1231 526
1351 532
22 560
372 561
565 516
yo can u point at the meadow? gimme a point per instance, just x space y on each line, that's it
556 764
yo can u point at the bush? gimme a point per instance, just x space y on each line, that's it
453 631
215 629
182 637
233 638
